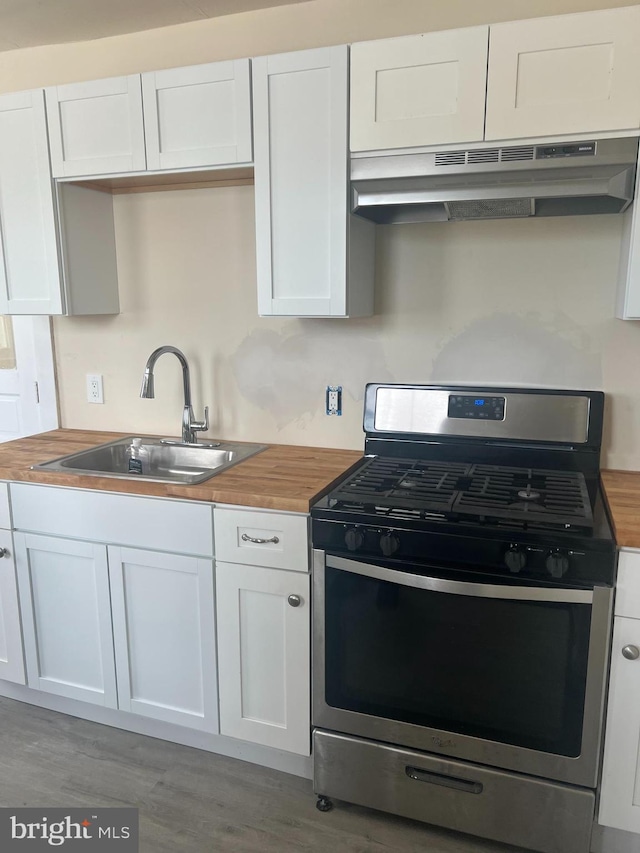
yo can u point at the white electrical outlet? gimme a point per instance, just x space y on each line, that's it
94 388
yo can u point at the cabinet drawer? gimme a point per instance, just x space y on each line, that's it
183 527
257 538
628 585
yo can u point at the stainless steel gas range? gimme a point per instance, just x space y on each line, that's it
463 586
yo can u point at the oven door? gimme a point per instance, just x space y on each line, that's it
506 675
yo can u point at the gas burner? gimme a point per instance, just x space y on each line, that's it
529 494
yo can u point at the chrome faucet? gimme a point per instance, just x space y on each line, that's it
189 426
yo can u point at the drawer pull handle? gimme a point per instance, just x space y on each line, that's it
246 538
294 600
631 652
4 552
446 781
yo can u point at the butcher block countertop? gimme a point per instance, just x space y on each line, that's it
282 477
622 492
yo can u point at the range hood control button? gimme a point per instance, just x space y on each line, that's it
515 559
557 564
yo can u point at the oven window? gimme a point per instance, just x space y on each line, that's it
507 671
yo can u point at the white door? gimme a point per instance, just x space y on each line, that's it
11 654
620 793
164 633
66 617
96 128
198 116
27 381
263 620
300 153
29 269
419 90
567 74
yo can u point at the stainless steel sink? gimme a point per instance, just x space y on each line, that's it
162 463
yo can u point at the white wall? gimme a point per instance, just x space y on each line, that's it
505 302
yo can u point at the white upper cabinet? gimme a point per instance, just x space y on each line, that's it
567 74
96 127
198 116
181 118
30 281
313 258
57 248
419 90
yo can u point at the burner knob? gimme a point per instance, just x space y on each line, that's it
389 544
515 559
353 538
557 564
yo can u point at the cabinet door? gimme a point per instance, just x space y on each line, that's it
96 128
163 622
263 655
568 74
419 90
11 656
300 154
29 270
198 116
65 606
620 792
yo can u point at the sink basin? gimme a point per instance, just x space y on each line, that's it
162 463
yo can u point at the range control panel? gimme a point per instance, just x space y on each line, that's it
476 407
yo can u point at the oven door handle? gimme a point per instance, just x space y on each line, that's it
479 590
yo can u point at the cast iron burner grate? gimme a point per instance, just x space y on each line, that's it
452 489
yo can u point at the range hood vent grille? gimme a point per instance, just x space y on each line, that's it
484 155
513 154
451 158
521 152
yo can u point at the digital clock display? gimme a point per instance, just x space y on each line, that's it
478 408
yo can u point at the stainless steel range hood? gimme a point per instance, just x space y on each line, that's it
522 180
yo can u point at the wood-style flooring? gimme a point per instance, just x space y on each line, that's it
192 801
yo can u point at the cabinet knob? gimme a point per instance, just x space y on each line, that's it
631 652
4 552
294 600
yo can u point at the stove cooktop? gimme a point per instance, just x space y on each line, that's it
466 492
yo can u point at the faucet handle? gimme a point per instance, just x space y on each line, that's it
201 426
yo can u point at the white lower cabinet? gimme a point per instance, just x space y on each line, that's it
146 625
263 620
64 596
620 791
164 635
11 653
114 612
